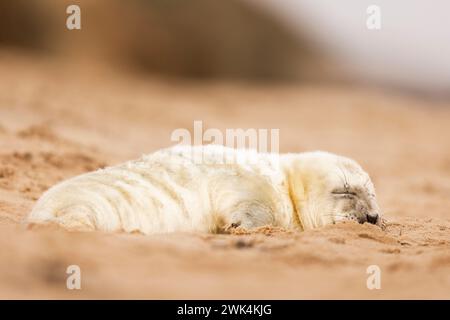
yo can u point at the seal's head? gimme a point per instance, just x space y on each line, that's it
327 188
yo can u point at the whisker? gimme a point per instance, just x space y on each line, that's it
341 178
346 185
367 181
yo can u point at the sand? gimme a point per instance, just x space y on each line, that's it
59 122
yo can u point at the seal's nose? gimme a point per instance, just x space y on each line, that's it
372 218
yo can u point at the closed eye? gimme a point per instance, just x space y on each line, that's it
344 193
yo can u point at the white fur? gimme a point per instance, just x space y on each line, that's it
187 188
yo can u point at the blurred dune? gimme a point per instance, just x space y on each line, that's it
198 39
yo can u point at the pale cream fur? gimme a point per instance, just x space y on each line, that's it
211 189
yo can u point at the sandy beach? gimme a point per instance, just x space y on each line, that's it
58 122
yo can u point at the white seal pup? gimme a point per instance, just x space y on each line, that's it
186 188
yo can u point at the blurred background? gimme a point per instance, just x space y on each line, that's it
262 40
73 101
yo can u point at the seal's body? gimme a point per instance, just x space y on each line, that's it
212 189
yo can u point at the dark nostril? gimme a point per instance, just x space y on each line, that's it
372 218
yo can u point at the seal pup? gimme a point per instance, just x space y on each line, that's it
197 189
